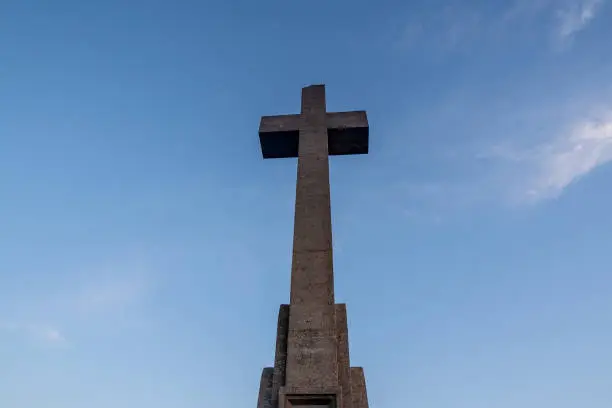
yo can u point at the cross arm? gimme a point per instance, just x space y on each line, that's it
279 136
347 134
279 123
352 119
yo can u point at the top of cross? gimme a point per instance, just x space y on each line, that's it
347 131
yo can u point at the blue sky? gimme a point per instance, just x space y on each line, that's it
145 245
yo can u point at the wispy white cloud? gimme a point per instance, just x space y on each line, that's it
550 155
109 295
98 299
442 29
547 169
569 17
103 290
574 16
430 201
46 333
457 25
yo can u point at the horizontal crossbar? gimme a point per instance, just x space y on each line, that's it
347 134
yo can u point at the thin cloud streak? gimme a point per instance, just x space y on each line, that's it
550 168
512 175
575 17
93 299
445 29
108 296
47 333
570 17
455 27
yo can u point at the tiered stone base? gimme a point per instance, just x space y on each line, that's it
302 375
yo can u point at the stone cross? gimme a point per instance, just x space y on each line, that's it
312 366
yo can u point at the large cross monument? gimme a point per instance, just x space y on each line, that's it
311 365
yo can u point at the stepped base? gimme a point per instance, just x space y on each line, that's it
349 391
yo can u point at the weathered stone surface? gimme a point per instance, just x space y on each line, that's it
312 350
312 346
347 120
280 123
308 287
358 388
280 357
312 265
344 363
265 388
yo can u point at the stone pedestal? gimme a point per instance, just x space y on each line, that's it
310 381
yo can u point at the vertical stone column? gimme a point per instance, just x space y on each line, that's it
312 270
312 343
